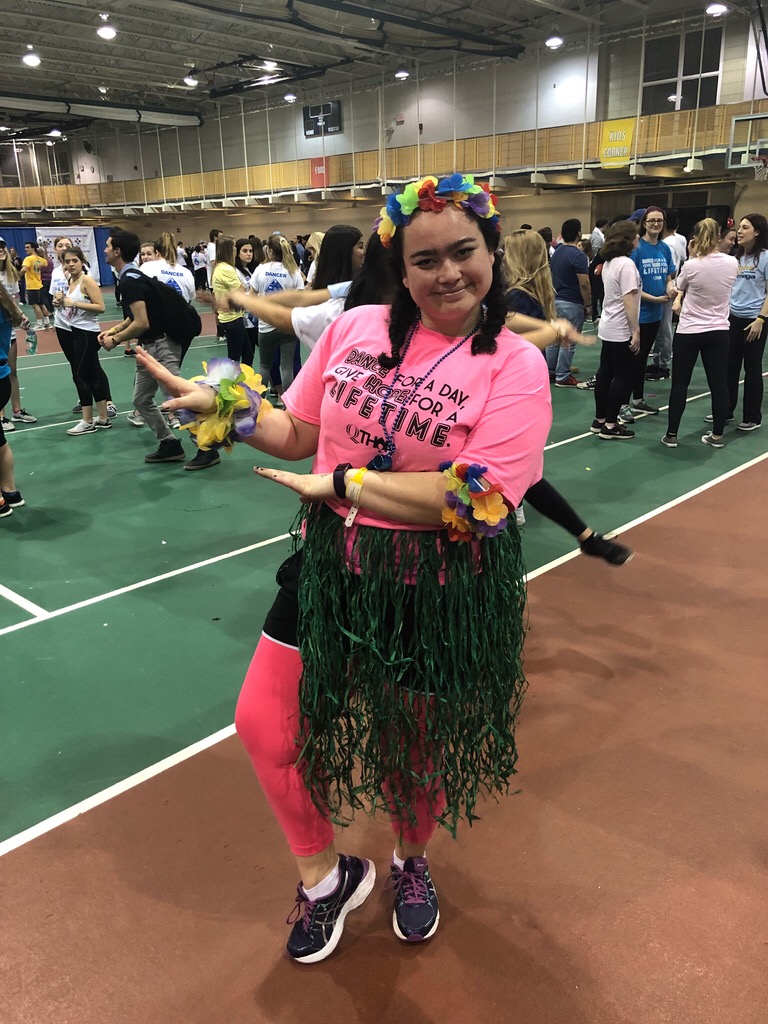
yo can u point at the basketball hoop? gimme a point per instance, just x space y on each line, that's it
761 168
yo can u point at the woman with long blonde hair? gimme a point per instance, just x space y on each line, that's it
530 293
527 275
704 288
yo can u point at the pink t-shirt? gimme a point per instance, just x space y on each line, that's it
620 277
707 282
494 410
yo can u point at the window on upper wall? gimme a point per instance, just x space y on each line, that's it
681 69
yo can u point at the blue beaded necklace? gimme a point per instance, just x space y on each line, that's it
383 462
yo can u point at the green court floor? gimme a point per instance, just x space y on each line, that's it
118 681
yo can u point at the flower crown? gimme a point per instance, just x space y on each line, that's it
431 194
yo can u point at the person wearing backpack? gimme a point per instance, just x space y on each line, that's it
145 306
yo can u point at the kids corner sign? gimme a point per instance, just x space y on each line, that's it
616 142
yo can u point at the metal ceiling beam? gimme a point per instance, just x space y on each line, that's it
416 25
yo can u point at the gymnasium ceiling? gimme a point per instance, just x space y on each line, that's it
321 48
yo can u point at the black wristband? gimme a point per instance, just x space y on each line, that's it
338 480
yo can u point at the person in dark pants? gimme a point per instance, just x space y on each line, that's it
747 325
653 259
619 332
703 289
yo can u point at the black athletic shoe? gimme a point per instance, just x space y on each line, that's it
203 460
416 914
611 552
5 509
318 924
169 451
597 426
617 433
77 409
13 498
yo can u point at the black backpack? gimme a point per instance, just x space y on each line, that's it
170 313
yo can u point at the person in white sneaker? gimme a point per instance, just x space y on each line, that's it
9 278
619 331
749 320
80 307
10 317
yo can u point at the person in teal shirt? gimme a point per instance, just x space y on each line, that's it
657 267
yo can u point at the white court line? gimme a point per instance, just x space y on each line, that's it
105 358
69 813
22 602
45 616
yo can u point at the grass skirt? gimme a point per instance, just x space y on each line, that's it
408 687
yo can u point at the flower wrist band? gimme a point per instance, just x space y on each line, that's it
239 408
473 507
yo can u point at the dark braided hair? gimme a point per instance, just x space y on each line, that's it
404 311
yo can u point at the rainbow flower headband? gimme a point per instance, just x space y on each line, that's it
431 194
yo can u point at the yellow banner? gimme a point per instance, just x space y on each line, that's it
616 142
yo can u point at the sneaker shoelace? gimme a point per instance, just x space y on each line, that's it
410 886
303 906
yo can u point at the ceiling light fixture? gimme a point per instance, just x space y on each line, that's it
554 42
50 143
270 65
717 10
673 98
290 97
106 31
55 133
31 59
191 81
103 90
402 74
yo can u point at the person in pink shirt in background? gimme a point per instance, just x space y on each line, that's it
703 300
388 674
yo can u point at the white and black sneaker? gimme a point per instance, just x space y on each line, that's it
587 385
416 914
318 924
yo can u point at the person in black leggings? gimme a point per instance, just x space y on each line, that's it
706 282
530 292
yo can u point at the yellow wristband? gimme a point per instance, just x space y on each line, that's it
353 490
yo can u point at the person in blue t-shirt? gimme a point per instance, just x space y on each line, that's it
573 296
657 267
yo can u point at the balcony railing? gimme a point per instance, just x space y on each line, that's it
566 146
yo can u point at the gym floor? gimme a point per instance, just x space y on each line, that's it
143 878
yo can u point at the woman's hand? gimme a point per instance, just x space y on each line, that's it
190 396
634 344
754 330
572 335
309 486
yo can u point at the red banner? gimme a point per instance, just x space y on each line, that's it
318 172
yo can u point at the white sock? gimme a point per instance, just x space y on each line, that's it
397 862
325 886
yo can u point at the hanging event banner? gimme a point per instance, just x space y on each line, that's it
83 237
616 142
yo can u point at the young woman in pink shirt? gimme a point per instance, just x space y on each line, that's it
388 674
703 301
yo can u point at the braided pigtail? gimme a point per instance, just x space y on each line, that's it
484 342
403 311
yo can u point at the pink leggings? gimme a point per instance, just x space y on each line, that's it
267 719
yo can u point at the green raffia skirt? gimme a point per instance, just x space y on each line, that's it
391 666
